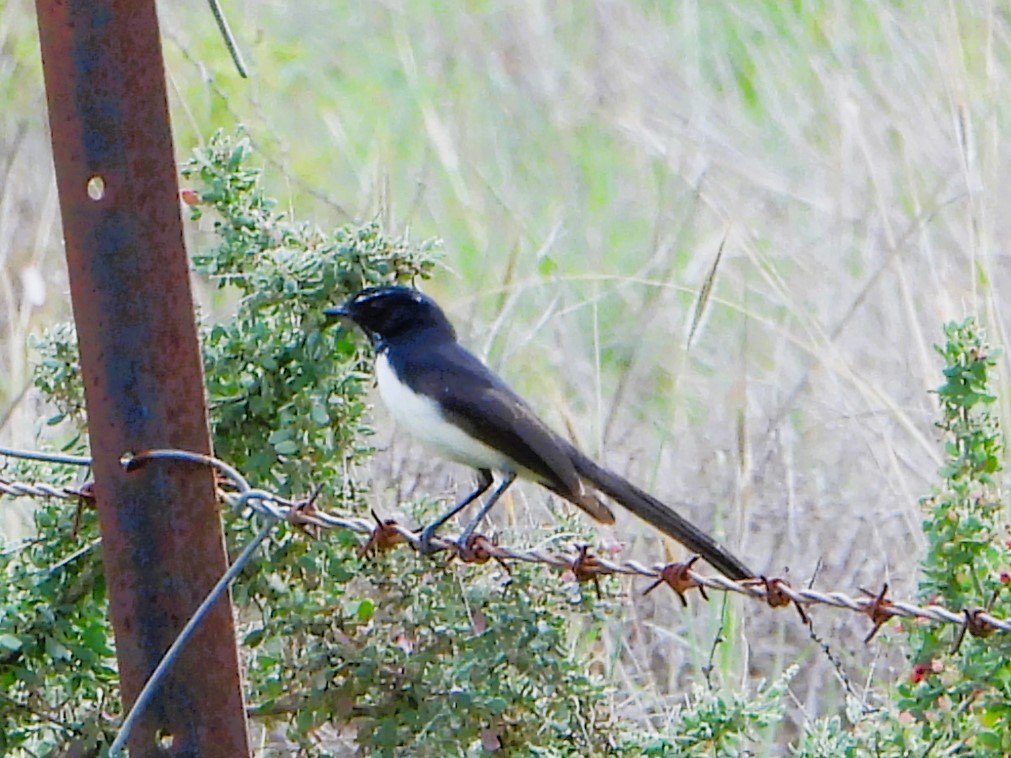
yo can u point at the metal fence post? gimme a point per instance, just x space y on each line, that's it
161 537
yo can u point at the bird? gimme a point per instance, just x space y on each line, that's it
443 395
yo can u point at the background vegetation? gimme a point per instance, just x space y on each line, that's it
582 164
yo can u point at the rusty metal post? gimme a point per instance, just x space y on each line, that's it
162 544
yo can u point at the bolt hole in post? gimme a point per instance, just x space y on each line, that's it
96 188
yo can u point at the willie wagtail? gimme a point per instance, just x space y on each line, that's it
446 397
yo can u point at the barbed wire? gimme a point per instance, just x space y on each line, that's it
384 534
23 489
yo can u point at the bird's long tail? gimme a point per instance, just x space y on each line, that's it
656 513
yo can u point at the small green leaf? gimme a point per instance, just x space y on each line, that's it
10 642
56 650
286 447
366 608
319 414
546 266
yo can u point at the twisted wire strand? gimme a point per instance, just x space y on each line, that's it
24 489
277 508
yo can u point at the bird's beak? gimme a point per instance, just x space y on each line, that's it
335 314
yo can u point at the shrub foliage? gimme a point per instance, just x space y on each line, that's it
396 653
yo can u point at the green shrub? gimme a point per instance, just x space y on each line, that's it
409 652
447 659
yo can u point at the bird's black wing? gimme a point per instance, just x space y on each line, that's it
475 399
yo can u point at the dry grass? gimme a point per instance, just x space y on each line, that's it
584 164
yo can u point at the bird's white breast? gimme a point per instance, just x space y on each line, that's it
421 417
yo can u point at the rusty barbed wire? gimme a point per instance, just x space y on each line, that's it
24 489
384 534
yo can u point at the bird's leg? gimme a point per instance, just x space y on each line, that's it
488 504
484 481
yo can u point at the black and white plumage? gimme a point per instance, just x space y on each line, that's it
447 398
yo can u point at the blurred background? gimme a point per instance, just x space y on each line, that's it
584 164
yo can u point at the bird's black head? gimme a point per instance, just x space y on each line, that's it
391 313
